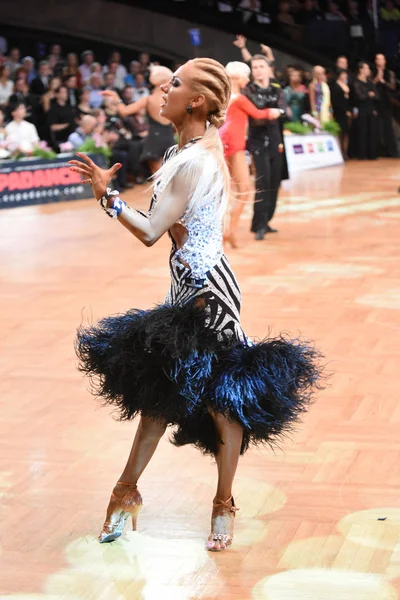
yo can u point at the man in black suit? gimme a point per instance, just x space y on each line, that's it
71 83
40 84
61 118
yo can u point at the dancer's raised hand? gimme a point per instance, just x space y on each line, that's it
240 42
97 177
114 96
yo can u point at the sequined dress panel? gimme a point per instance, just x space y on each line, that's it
199 269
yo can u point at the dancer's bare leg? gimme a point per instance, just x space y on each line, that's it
231 434
126 499
240 174
146 440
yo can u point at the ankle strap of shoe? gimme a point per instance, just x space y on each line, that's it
132 485
230 504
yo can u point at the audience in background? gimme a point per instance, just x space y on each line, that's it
84 131
40 84
61 117
385 82
296 95
341 106
365 125
86 66
6 85
320 95
61 100
19 132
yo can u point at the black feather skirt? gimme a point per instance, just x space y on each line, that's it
188 358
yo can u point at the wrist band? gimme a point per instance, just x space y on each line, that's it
117 205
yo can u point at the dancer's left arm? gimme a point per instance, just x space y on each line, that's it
250 109
167 211
124 110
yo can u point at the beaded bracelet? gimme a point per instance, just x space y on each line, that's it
117 205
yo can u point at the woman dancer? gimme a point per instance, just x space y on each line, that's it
233 136
187 363
296 96
320 95
161 132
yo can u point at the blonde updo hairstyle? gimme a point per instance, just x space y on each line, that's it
211 79
159 75
238 70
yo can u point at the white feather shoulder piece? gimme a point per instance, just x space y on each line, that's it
200 170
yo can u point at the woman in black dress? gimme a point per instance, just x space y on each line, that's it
340 97
365 124
385 82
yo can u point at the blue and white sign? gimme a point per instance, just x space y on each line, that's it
307 152
195 37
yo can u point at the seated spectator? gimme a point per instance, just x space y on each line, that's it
71 83
114 66
309 12
13 61
56 60
28 64
284 15
61 117
50 95
127 94
87 126
144 61
87 58
320 95
4 153
84 107
72 68
334 13
389 12
21 133
97 69
139 124
6 86
95 86
140 90
134 69
40 84
296 95
22 95
109 82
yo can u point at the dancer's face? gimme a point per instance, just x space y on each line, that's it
178 94
260 70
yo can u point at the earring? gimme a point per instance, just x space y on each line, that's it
189 109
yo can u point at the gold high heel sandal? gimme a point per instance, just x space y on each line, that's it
223 520
118 511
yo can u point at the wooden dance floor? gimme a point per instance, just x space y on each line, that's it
320 516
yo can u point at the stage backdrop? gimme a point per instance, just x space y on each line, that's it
306 152
39 181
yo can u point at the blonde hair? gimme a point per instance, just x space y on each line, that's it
205 160
237 68
160 75
212 80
